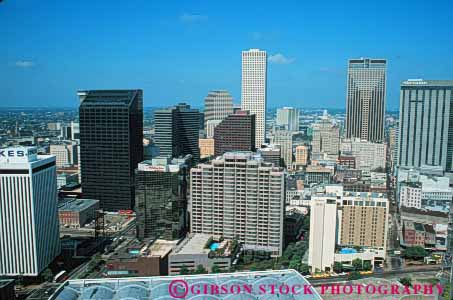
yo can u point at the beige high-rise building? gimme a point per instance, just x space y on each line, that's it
238 195
254 90
206 147
284 139
301 155
66 154
364 220
365 102
326 137
217 106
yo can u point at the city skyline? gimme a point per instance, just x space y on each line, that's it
190 63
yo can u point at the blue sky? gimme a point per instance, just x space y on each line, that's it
179 50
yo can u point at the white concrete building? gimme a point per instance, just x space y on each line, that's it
326 137
411 195
66 154
239 195
369 156
254 89
29 226
284 139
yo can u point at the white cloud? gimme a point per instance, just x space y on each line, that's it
280 59
24 64
192 18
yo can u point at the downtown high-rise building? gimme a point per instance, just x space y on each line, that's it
217 106
235 133
284 139
426 124
288 117
111 145
29 226
161 198
177 131
254 89
240 196
365 99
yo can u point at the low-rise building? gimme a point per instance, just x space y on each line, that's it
77 212
201 249
318 175
206 147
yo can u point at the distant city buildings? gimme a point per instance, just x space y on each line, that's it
365 103
217 106
177 131
254 89
271 154
240 196
235 133
66 154
288 117
161 198
29 235
426 123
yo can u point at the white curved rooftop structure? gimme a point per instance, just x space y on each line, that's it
246 285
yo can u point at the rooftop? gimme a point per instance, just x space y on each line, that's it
422 82
194 244
71 204
159 287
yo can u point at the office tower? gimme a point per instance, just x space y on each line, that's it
271 154
111 145
240 196
365 103
235 133
75 131
29 235
301 155
284 139
326 137
289 118
161 198
426 123
254 89
176 131
323 230
217 106
393 143
66 133
368 156
66 154
206 147
210 126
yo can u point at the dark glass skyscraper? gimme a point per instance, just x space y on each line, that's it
161 198
111 145
176 131
235 133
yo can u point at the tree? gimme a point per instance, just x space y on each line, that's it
304 269
216 269
354 275
407 281
416 253
184 270
357 264
337 267
295 263
47 275
200 270
367 266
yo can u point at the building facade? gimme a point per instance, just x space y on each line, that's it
326 137
301 155
66 154
254 90
284 139
177 131
29 235
240 196
235 133
111 145
368 156
426 123
288 117
161 198
217 106
365 102
206 147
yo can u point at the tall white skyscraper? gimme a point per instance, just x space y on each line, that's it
239 196
254 89
288 117
365 102
29 226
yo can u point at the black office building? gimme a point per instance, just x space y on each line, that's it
176 131
111 145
